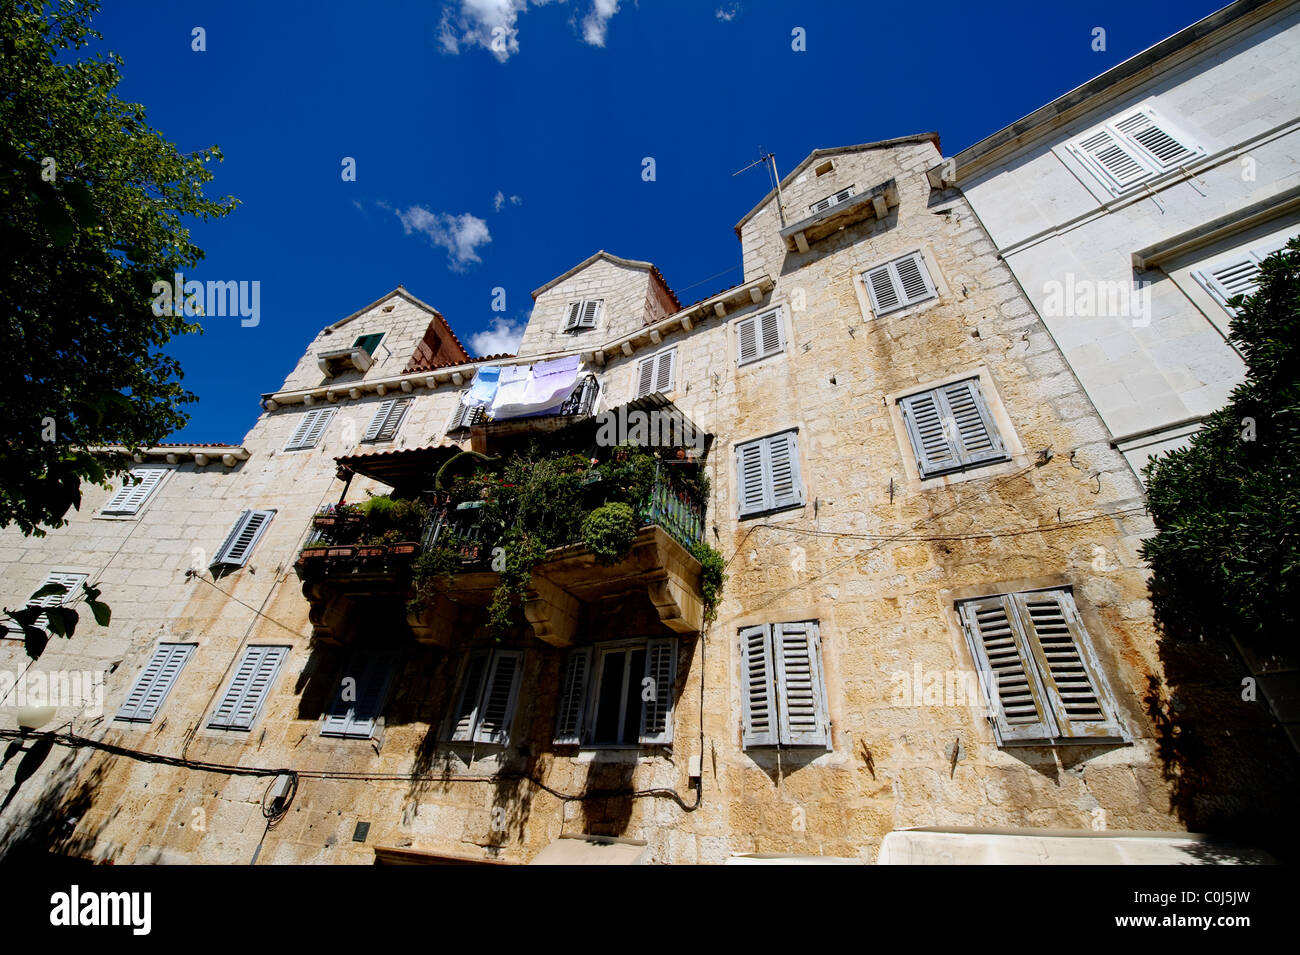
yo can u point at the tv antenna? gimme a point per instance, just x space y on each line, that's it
769 160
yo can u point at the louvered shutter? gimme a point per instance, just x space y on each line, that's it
1160 144
657 713
1112 159
248 688
243 538
1239 276
771 333
757 693
913 279
751 478
976 436
784 483
880 286
377 422
464 716
923 414
590 312
575 313
71 582
747 340
310 429
645 376
1069 672
500 694
1009 678
130 497
573 697
155 682
357 717
801 694
665 366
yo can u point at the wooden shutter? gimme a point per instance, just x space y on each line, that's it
759 723
69 581
1007 674
771 334
1066 666
497 711
747 340
880 286
751 478
130 497
801 692
464 715
387 419
575 314
309 429
914 281
665 366
1112 159
590 312
657 714
923 414
784 483
573 697
357 717
1160 144
243 538
973 431
645 376
248 688
155 682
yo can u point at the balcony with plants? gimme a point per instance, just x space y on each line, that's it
526 537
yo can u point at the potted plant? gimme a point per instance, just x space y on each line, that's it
341 550
312 552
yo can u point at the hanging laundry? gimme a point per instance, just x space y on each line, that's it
538 390
484 389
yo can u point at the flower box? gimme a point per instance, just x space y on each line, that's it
372 550
403 549
341 551
310 553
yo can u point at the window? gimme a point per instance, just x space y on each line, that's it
387 420
360 697
767 474
783 693
1037 668
243 538
485 704
248 688
656 373
951 428
135 491
466 416
368 343
309 429
618 694
821 205
824 168
70 584
899 283
583 314
759 336
155 682
1137 147
1236 276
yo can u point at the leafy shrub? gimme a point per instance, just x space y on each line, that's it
610 531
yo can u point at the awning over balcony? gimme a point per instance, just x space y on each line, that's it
405 469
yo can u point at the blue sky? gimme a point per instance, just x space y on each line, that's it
478 168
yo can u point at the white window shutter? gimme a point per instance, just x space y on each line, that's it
497 710
155 682
975 435
357 717
747 340
1069 673
573 697
464 716
784 483
377 421
665 368
70 582
309 429
759 722
657 713
751 478
1112 159
645 376
1160 144
1230 279
1010 681
248 688
590 312
800 688
771 334
130 497
914 280
880 287
572 318
243 538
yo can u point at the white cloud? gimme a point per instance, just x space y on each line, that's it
596 23
493 24
460 235
499 201
501 336
727 13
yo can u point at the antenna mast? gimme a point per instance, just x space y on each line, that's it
769 160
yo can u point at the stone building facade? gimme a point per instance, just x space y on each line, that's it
909 487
